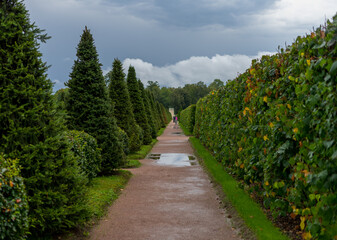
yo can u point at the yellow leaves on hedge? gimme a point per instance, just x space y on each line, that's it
308 62
265 99
313 35
242 165
302 54
295 130
240 149
271 125
306 172
266 183
306 236
265 137
11 183
288 106
302 225
252 71
246 110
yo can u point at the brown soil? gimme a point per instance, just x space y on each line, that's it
163 202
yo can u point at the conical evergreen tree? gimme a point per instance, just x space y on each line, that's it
161 116
148 111
31 130
88 104
154 111
120 98
138 105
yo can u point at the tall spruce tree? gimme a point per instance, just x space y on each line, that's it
88 104
123 112
31 129
148 111
138 105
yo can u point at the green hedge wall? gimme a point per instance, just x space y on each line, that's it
187 117
275 128
13 201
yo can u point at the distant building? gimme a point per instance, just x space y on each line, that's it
171 110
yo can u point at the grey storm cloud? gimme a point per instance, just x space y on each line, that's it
166 34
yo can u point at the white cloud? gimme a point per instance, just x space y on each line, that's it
192 70
290 15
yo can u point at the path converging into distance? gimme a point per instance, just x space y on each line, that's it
169 198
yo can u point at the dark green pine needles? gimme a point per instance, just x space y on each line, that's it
123 112
88 104
138 105
31 130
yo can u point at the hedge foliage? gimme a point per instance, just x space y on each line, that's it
85 148
13 201
187 117
275 128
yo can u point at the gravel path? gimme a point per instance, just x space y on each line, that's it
166 202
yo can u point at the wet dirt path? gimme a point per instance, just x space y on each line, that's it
165 201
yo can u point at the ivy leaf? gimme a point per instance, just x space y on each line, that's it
333 68
334 155
328 144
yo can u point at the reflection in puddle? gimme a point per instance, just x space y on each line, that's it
174 159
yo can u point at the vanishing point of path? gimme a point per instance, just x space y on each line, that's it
166 202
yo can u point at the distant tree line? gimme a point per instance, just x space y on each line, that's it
51 146
182 97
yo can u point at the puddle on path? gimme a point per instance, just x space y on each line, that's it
174 159
177 133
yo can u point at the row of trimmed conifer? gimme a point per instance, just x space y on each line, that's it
36 146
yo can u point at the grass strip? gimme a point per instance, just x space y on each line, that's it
249 211
104 190
132 159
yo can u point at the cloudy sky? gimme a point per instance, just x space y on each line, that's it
174 42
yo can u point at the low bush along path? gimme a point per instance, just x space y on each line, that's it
166 199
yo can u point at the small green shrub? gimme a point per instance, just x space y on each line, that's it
85 148
13 201
124 139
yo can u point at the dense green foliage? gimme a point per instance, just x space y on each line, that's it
13 201
274 127
86 150
123 111
88 105
138 105
181 97
30 127
187 118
